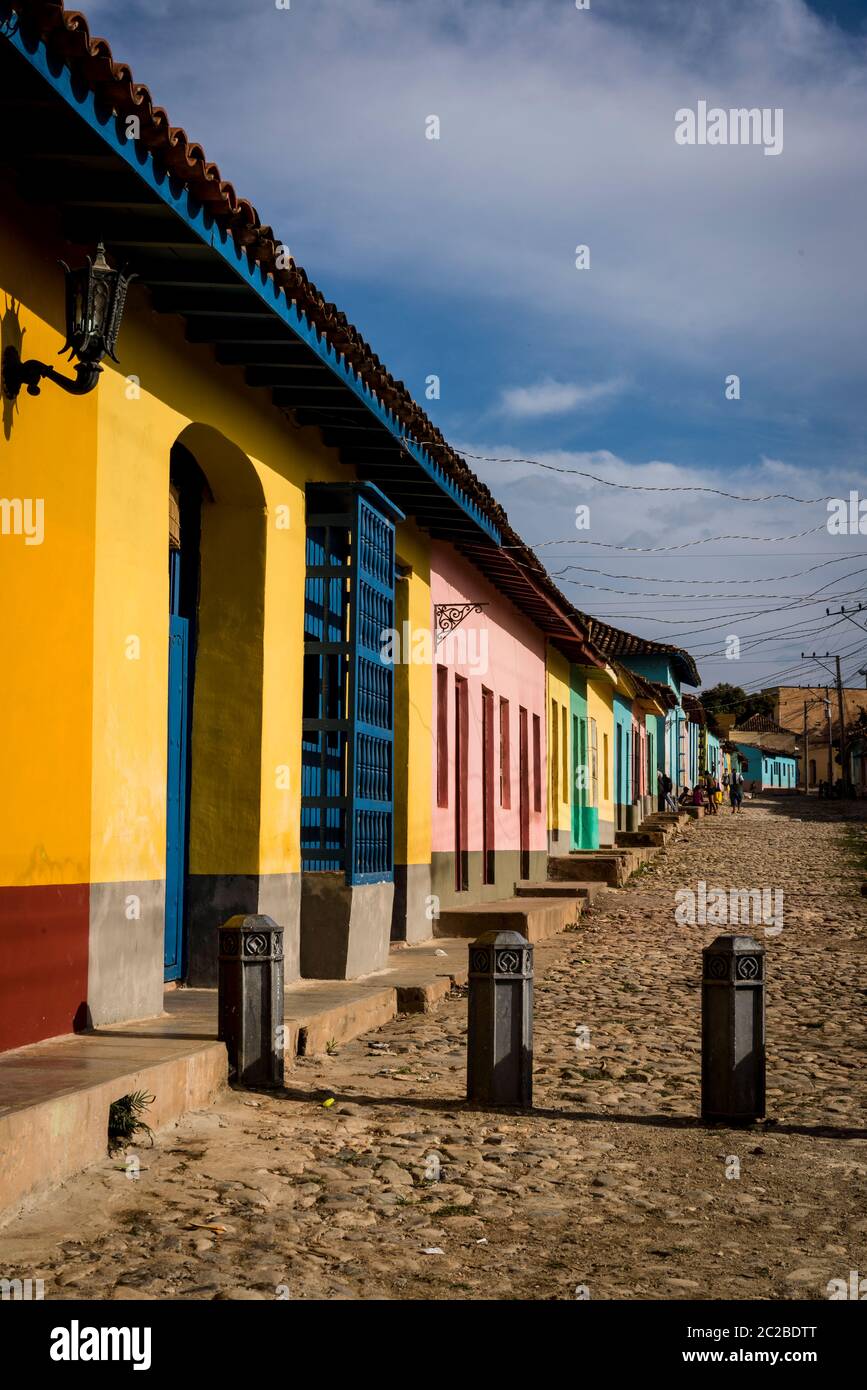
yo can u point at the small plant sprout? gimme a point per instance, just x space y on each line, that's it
125 1122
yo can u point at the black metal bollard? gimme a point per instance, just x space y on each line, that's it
500 1020
250 999
733 1030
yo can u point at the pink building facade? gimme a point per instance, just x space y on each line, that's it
489 740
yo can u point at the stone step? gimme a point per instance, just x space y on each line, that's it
534 918
694 812
668 827
613 869
551 889
619 850
643 838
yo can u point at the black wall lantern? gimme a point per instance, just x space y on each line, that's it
95 297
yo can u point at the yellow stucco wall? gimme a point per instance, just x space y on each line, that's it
47 446
600 706
558 693
85 631
247 710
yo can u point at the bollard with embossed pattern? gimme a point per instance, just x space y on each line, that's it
500 1020
733 1030
250 999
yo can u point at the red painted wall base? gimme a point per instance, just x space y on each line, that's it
44 934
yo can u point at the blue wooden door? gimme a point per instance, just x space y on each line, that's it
176 789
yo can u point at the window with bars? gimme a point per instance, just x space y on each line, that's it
537 763
564 753
442 736
554 757
505 757
348 699
488 847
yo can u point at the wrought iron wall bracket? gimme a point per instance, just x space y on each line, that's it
32 372
448 616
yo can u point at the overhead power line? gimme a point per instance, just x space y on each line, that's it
773 677
684 545
786 634
711 621
626 487
764 579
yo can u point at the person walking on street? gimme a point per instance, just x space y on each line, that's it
666 785
736 792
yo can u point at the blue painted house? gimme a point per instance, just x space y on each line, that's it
714 755
768 768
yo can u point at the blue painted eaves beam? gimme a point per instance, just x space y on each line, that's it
179 199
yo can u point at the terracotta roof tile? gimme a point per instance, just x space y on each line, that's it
613 642
761 724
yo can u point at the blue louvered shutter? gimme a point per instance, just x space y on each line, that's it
370 769
325 721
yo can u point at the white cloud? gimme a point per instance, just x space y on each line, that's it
699 595
557 129
556 397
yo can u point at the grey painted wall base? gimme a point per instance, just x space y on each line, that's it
213 898
280 899
562 844
125 951
606 833
409 915
507 872
345 932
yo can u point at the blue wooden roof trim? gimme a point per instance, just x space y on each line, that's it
110 129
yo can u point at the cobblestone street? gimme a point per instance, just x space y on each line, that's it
399 1190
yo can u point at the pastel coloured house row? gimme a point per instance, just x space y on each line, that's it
275 648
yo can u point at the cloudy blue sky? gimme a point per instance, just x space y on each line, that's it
456 257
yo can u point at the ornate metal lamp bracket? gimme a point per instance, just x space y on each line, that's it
448 616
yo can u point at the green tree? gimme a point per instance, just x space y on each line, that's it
731 699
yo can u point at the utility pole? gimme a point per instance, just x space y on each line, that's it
843 750
845 772
806 751
848 614
820 661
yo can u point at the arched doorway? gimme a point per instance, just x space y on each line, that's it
217 545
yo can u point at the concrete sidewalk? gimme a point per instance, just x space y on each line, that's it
55 1095
317 1012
